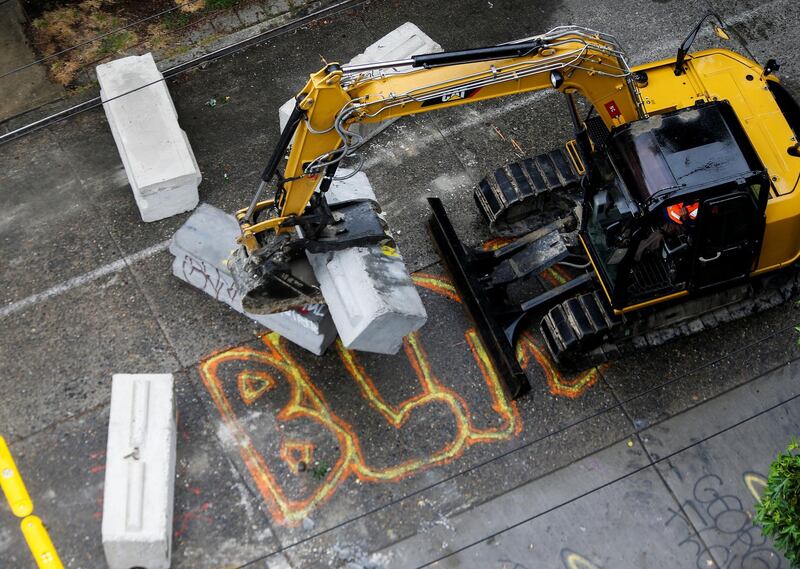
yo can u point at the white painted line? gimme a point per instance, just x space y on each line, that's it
81 280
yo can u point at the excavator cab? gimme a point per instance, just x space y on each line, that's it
682 206
673 205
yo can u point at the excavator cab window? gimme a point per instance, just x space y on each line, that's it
661 261
690 148
693 242
608 228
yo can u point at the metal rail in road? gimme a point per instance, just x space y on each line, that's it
186 66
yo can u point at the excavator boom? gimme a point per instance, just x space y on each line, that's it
570 59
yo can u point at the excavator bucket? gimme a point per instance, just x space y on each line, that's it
266 288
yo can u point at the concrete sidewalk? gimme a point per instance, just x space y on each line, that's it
288 459
28 88
679 494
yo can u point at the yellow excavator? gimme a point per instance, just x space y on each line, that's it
674 207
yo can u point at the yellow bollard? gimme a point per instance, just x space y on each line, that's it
42 548
12 484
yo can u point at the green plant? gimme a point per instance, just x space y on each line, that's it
116 42
220 4
778 512
175 20
320 471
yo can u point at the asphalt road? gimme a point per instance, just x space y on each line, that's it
368 430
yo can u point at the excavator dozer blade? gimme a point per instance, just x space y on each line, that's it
456 258
482 278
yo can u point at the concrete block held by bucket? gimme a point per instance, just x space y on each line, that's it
158 159
400 43
140 472
371 296
368 290
201 248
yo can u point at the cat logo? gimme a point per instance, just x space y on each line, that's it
455 96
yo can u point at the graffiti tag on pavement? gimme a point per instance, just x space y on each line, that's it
286 420
725 535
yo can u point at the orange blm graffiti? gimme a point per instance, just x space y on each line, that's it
295 453
253 384
527 348
303 403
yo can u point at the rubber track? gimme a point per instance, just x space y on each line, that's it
578 337
521 189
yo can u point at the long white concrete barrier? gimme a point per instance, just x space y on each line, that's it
368 290
156 153
140 472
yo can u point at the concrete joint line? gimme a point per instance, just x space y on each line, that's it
83 279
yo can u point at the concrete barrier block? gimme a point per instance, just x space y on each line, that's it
284 112
356 187
371 297
140 472
156 153
201 248
400 43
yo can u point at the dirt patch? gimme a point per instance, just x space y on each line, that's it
79 34
141 8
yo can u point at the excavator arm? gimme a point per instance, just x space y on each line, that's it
320 136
